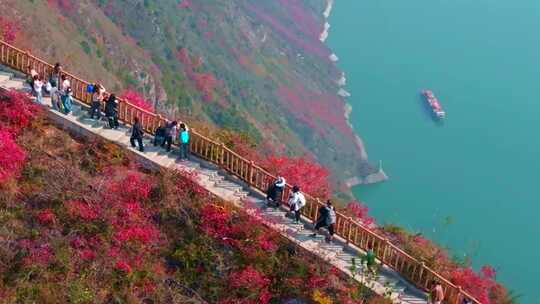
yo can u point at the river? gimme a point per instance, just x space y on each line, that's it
470 183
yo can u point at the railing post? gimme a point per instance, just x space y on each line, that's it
385 250
222 154
459 295
317 206
421 274
350 229
250 173
27 62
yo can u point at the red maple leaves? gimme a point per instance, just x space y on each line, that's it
481 285
137 99
11 156
311 177
8 30
16 113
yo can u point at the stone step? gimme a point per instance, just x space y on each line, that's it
412 299
12 84
4 77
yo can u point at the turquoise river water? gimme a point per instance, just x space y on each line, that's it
471 183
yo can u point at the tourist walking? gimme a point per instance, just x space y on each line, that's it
171 130
97 98
327 219
60 92
67 101
54 81
137 134
111 111
55 77
30 80
275 191
38 86
436 293
297 201
65 84
184 142
159 135
369 259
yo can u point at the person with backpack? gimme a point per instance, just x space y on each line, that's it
137 134
111 112
38 86
97 97
297 201
327 218
159 135
170 133
184 142
67 101
274 192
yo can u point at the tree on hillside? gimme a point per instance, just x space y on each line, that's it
8 30
137 99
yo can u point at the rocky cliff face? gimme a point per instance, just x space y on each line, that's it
257 67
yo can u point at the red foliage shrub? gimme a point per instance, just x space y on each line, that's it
142 234
184 3
65 5
205 83
37 254
250 286
122 266
182 55
477 284
294 33
323 113
311 177
8 30
215 221
137 99
87 212
265 242
17 111
11 157
249 278
46 216
86 254
359 212
133 185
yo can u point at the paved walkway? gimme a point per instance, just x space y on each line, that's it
387 282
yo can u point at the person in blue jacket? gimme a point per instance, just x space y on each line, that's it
183 138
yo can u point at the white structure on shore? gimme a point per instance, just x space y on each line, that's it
326 14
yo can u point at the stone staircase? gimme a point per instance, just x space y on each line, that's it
341 255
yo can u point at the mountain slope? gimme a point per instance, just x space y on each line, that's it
256 67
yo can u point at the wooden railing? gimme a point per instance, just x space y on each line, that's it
255 176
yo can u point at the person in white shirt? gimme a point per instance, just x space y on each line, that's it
38 85
65 84
297 201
